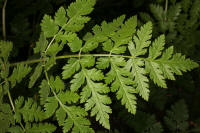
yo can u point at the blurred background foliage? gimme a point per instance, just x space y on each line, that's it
172 110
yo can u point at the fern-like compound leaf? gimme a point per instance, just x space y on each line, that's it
136 66
120 82
142 40
76 120
36 74
77 12
176 118
68 97
94 94
145 123
103 63
78 81
172 15
49 26
97 103
72 117
44 91
60 16
69 116
6 117
5 49
159 65
51 105
113 35
54 49
29 110
155 73
41 44
70 68
56 84
157 46
19 73
158 12
15 129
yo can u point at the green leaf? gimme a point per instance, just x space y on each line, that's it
44 91
50 106
157 46
94 94
57 84
155 73
50 62
75 119
157 11
77 81
5 49
41 44
36 74
76 12
120 81
98 103
176 119
181 63
145 123
185 4
108 45
141 41
60 17
19 73
172 15
101 33
40 128
30 111
75 45
70 68
136 67
60 115
15 129
6 117
103 63
48 26
68 97
87 61
54 49
174 12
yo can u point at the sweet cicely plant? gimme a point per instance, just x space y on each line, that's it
128 61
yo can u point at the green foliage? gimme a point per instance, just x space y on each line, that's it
36 74
6 48
176 118
146 123
19 73
29 110
130 58
178 22
40 128
6 117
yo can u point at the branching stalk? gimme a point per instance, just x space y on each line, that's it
13 108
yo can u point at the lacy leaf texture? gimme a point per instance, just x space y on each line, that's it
130 59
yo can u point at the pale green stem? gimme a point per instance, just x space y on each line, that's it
73 56
13 107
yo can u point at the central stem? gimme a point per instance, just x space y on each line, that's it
72 56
